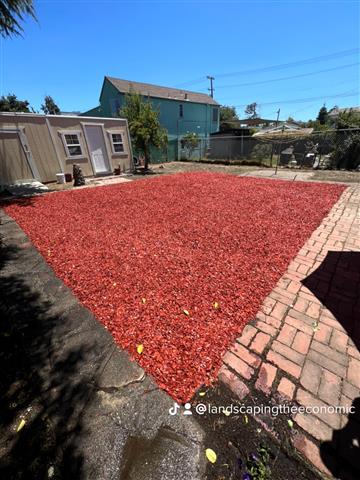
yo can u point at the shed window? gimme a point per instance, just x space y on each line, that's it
72 144
181 110
117 142
215 114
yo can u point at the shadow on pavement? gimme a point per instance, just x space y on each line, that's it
72 404
336 283
43 382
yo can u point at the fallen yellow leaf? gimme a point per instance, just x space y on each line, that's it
186 312
140 349
202 394
216 305
210 455
143 300
21 425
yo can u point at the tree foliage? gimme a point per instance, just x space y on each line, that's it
323 116
10 103
346 153
228 118
190 142
251 111
49 106
12 13
144 125
316 125
348 119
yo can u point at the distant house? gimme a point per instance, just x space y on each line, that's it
73 114
34 146
335 112
181 111
255 122
283 128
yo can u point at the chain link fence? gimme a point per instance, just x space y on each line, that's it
339 149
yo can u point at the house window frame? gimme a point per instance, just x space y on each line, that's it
115 106
215 110
78 133
112 143
181 110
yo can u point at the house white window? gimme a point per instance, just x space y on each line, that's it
117 142
72 144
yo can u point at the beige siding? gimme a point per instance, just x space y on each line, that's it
13 162
42 149
47 148
61 124
119 159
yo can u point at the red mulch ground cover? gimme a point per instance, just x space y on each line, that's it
139 254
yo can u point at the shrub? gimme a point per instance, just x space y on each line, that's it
346 153
261 151
190 142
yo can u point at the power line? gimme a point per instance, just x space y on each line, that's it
292 90
305 100
307 61
301 75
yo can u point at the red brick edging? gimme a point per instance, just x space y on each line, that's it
296 347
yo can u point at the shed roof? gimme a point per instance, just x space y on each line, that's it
147 89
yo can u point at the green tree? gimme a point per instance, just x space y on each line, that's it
190 142
346 152
12 13
251 111
348 119
323 116
316 125
144 125
49 107
228 118
10 103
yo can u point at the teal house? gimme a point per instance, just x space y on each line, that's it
181 111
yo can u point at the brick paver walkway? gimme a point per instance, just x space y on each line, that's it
304 344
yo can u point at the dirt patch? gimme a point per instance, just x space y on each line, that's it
312 175
181 167
336 176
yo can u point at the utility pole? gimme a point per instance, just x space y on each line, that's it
212 89
278 157
272 145
278 115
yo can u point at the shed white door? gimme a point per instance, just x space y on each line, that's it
97 148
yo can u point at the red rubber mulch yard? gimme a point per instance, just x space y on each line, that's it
150 259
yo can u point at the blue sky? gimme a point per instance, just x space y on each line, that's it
177 43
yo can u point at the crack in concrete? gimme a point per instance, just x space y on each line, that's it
113 388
